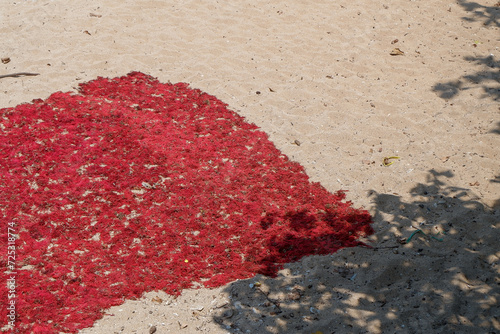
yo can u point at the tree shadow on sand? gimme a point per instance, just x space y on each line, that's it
488 75
488 15
434 267
497 130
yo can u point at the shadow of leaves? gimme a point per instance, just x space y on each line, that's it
497 130
488 77
489 15
443 279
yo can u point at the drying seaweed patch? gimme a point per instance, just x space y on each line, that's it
133 185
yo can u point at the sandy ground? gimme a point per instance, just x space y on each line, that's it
320 73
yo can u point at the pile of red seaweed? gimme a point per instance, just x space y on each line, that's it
133 185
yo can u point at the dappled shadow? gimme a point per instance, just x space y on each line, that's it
488 77
303 234
497 130
433 268
496 179
488 15
488 74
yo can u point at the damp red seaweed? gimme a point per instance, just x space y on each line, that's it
133 185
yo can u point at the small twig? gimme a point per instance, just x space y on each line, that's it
275 302
19 74
383 247
420 231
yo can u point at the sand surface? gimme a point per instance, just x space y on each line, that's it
319 74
